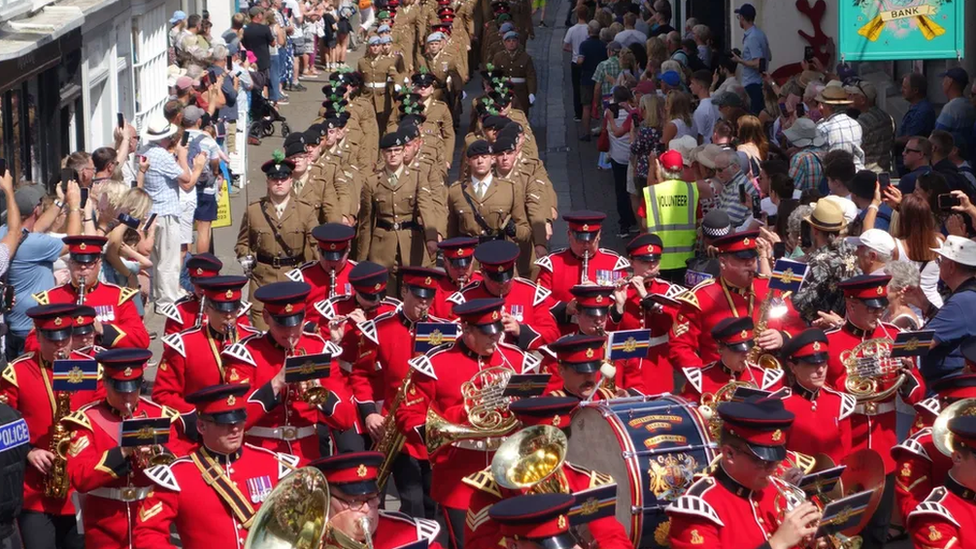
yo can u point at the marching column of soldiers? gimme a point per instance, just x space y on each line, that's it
401 326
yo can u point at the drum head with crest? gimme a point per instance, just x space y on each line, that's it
651 448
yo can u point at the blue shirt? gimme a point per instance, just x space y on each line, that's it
958 117
882 220
161 180
919 120
952 324
32 271
594 51
754 46
907 182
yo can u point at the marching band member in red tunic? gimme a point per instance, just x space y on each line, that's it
734 338
577 359
355 494
535 521
590 307
739 292
438 379
528 322
117 322
110 475
459 266
27 385
212 494
563 269
822 422
329 276
186 312
919 465
83 331
279 417
482 532
736 507
944 519
192 358
634 310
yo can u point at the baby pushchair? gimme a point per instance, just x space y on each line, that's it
264 115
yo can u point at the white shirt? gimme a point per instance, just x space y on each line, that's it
704 119
627 37
575 36
481 186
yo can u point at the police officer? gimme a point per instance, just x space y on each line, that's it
328 275
485 206
518 66
118 323
671 211
13 460
211 495
276 233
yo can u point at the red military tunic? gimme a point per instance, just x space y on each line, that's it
629 375
443 306
873 424
925 413
175 378
919 468
395 529
529 304
321 282
353 343
482 532
285 425
709 379
946 519
114 308
376 382
97 468
185 313
203 519
822 424
656 367
28 388
562 269
438 380
719 513
709 303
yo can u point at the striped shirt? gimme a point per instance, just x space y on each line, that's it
160 181
806 168
728 200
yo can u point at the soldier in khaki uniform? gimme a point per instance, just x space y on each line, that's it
441 64
518 67
431 116
405 33
381 72
335 180
485 206
310 190
487 128
503 102
275 234
426 166
396 204
491 34
361 116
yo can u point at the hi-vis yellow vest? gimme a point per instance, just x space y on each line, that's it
671 207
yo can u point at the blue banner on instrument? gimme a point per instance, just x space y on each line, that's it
595 503
912 343
13 435
694 278
307 367
787 275
433 334
75 375
821 482
526 385
844 513
628 344
419 544
144 431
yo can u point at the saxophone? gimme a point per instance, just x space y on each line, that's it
81 292
756 354
56 483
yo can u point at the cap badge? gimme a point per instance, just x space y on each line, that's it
377 286
231 400
650 248
556 420
127 372
501 268
599 299
82 246
332 246
589 353
744 334
745 241
586 227
816 345
561 522
777 435
494 315
199 270
79 320
361 471
630 345
58 321
428 281
229 294
880 290
289 308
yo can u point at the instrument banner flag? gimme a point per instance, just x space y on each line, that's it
844 513
912 343
75 375
821 482
628 344
787 275
526 385
307 367
144 431
592 504
434 334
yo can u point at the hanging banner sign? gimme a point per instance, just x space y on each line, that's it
887 30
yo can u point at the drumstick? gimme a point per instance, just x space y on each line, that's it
607 370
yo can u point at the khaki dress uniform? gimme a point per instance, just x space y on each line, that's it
491 41
335 185
469 138
444 67
427 169
520 70
391 222
405 35
380 75
530 147
361 112
502 201
522 17
539 196
278 243
349 155
437 132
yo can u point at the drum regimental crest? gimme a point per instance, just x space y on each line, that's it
671 475
662 532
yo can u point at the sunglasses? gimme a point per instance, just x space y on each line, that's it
916 151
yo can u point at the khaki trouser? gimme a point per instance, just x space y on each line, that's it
231 139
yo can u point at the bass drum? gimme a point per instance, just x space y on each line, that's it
662 444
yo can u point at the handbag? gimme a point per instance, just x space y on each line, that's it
603 142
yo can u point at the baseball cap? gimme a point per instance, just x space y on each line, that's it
874 239
615 46
672 161
178 15
27 198
747 11
684 145
671 78
192 113
185 82
958 74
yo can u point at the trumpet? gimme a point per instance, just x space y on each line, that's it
584 273
81 292
332 283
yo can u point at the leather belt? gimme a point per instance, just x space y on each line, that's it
874 408
127 494
286 433
376 85
277 262
405 225
517 80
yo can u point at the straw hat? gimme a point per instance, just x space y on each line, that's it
827 216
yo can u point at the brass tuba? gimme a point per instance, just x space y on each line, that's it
295 514
941 436
487 409
869 365
532 460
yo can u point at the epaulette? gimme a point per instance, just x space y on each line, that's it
126 294
770 377
427 529
368 328
694 505
606 394
847 403
245 308
484 481
286 464
622 262
42 298
170 311
175 341
423 365
167 412
541 294
457 297
694 376
547 352
930 405
802 461
913 446
163 475
690 296
240 352
10 375
79 418
325 308
530 363
296 275
545 262
933 506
